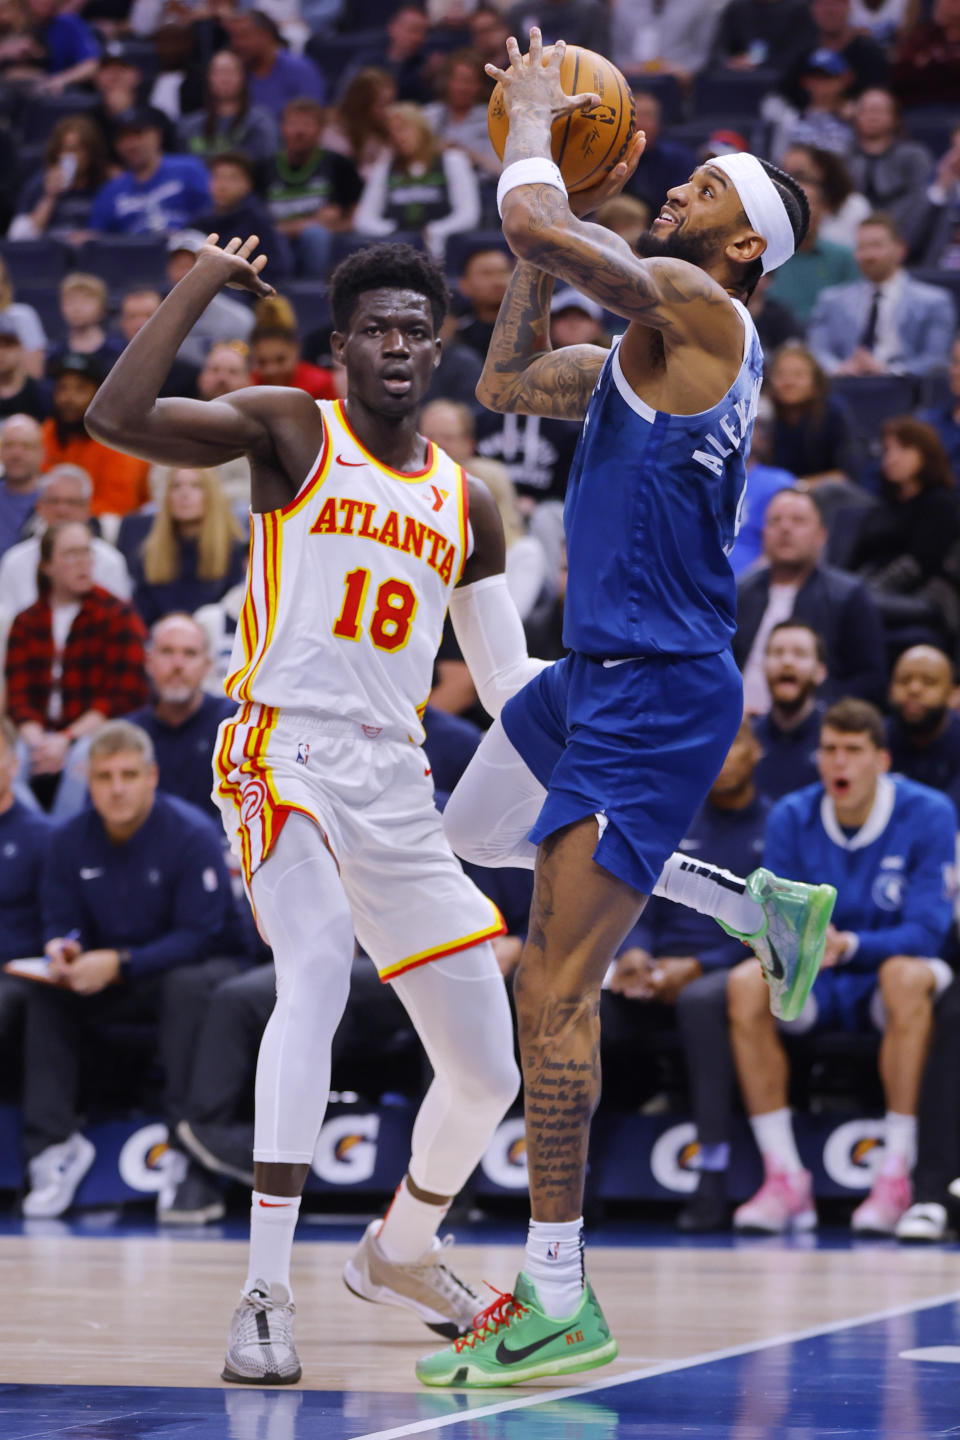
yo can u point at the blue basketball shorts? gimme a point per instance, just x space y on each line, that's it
637 743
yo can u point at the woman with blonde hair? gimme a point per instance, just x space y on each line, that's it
27 324
418 185
194 551
359 126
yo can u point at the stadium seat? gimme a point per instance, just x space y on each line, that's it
347 243
931 125
39 264
934 392
464 244
46 302
30 160
731 92
872 399
945 279
336 54
123 261
310 304
694 133
41 112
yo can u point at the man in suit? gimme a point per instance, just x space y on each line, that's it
886 323
795 584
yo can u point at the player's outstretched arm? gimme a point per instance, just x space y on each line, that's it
540 226
522 375
126 412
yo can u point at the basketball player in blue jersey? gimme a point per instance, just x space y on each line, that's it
602 759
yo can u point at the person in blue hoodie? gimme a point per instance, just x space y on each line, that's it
888 844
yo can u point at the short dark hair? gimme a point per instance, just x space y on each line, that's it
798 494
818 640
386 267
798 213
856 717
882 221
238 160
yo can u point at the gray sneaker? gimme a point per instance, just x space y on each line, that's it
55 1176
444 1302
260 1350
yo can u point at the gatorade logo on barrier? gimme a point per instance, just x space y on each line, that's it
141 1160
673 1159
853 1152
505 1162
346 1152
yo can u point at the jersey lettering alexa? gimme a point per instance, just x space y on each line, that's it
652 510
348 588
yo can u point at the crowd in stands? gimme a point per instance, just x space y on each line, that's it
128 132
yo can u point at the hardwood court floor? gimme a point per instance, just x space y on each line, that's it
153 1311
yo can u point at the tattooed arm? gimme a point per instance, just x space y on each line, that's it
521 374
540 226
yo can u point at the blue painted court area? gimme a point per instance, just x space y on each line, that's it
894 1376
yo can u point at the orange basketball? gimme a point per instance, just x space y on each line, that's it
585 146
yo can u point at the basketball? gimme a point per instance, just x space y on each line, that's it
585 146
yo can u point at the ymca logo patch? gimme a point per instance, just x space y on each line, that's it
253 797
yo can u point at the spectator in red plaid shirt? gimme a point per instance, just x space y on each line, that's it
75 659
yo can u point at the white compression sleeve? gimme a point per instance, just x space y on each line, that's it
491 639
305 917
460 1010
494 806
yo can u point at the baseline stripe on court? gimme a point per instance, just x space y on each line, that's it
649 1372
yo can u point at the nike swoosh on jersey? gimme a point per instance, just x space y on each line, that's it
513 1357
358 463
90 874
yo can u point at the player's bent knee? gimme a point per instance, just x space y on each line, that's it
464 836
904 980
747 992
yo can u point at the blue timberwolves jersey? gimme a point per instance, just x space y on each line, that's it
651 514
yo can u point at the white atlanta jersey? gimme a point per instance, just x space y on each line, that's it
348 588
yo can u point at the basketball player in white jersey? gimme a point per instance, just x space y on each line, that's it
361 529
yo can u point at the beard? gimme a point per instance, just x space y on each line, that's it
698 248
793 704
928 724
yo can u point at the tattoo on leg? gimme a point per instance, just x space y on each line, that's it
560 1050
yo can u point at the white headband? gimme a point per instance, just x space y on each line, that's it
762 203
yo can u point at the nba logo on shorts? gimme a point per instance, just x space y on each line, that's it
303 752
553 1250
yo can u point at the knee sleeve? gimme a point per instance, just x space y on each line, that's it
460 1011
493 808
305 915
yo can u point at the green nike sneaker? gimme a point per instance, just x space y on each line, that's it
512 1340
789 944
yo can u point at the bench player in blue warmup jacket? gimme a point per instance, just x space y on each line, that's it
603 758
889 847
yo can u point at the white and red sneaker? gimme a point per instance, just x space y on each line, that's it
889 1200
784 1202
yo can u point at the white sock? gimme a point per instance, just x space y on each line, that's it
409 1226
899 1143
773 1133
273 1219
711 891
554 1262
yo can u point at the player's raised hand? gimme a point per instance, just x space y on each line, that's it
532 81
584 202
233 259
